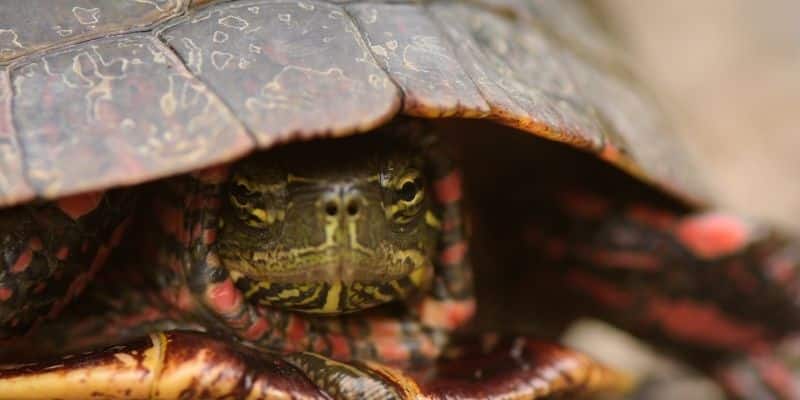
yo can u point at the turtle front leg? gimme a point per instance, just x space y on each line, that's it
715 288
49 251
189 365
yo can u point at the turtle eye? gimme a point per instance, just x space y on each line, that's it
240 191
408 191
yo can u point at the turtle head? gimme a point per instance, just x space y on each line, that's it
330 226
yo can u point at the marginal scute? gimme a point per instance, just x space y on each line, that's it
638 136
521 74
13 186
287 68
28 26
117 111
420 60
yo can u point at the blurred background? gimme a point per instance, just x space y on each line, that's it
727 73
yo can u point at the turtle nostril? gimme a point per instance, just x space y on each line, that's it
352 207
331 208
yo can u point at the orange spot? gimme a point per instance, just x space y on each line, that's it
448 188
454 254
23 261
704 324
606 293
713 235
5 293
224 297
79 205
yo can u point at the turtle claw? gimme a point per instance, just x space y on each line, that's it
190 365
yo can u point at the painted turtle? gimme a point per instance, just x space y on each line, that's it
333 264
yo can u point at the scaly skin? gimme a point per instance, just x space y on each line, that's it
720 291
50 251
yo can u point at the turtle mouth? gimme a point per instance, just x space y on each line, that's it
334 288
336 272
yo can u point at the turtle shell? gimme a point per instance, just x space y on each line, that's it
102 94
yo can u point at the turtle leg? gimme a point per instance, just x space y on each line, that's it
50 251
715 288
190 365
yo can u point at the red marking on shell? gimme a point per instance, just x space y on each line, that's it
79 205
451 224
454 254
256 329
777 376
23 261
624 259
212 175
448 314
62 253
585 205
713 235
39 288
448 188
5 293
704 324
223 297
209 236
606 293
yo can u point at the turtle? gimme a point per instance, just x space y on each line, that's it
318 198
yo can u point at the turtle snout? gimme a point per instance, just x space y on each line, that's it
343 201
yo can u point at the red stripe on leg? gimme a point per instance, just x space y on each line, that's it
448 188
713 235
454 254
447 314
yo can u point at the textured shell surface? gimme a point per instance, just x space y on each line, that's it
103 93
